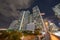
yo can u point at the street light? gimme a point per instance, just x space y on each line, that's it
46 24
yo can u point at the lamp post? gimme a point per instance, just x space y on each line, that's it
42 22
22 21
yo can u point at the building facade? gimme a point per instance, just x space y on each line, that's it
57 10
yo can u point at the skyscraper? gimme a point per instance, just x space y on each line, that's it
21 22
26 19
36 16
57 10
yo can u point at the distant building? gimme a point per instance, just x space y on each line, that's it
28 19
13 25
31 18
36 11
30 27
57 10
53 27
36 16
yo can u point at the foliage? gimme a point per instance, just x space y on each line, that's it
16 35
10 35
37 32
27 32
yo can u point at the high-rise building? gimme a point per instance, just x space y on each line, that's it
35 20
26 20
21 22
57 10
36 16
53 27
13 25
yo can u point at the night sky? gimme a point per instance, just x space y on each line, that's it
46 6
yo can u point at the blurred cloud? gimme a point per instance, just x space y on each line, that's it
8 8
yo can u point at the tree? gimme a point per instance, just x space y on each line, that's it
15 35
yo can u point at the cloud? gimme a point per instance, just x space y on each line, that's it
8 8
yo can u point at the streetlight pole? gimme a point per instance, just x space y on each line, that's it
42 22
22 20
